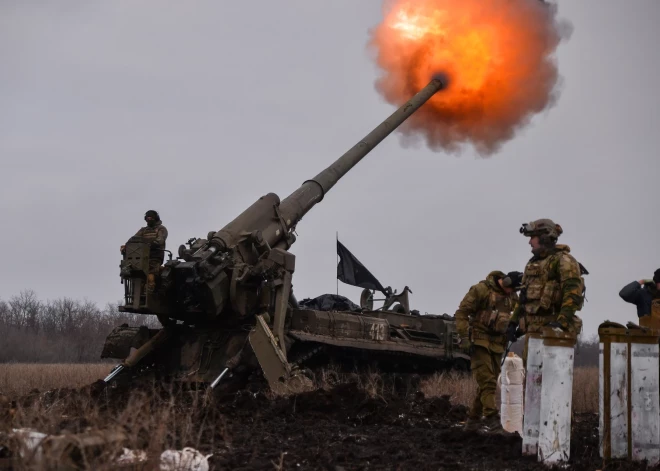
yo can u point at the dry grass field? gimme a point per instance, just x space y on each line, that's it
345 420
19 379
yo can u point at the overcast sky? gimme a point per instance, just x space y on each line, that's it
196 109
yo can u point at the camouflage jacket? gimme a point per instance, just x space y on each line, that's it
552 286
484 313
157 234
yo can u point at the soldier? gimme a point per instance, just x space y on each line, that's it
645 294
482 319
552 286
156 234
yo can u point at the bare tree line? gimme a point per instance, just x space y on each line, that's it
586 350
67 330
63 330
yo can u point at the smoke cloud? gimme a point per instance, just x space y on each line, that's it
498 55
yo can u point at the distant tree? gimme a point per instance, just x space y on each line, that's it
61 330
586 350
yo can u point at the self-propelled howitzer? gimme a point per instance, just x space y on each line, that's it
234 286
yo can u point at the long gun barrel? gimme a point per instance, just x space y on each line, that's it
242 270
312 191
298 203
216 269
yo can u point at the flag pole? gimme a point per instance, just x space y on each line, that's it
336 244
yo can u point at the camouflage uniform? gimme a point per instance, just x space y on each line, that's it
552 291
482 319
156 235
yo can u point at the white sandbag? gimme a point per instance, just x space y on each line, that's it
31 441
129 456
187 459
511 393
513 371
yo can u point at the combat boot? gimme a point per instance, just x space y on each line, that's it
493 423
472 424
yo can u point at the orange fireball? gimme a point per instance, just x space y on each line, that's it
498 55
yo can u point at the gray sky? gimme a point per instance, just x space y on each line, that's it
197 109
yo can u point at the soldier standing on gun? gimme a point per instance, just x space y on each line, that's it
552 287
155 234
481 322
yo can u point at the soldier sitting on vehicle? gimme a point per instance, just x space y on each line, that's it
155 234
481 322
645 294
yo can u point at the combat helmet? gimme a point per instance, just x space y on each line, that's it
513 279
547 230
152 213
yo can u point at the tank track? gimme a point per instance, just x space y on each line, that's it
319 361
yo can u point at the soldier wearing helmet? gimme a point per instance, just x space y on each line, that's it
481 322
552 287
155 234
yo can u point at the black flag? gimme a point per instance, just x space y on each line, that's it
352 272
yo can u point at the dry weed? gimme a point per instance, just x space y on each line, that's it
461 388
20 378
152 418
585 390
156 418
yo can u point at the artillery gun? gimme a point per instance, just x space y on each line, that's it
226 302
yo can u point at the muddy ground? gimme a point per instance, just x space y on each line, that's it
341 428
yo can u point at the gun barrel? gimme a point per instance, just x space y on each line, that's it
296 205
259 216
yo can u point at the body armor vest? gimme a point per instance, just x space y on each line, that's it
149 234
542 285
543 297
542 293
497 314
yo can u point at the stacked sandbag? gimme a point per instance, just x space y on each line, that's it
511 382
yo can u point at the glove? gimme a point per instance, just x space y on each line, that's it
465 343
122 249
511 334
